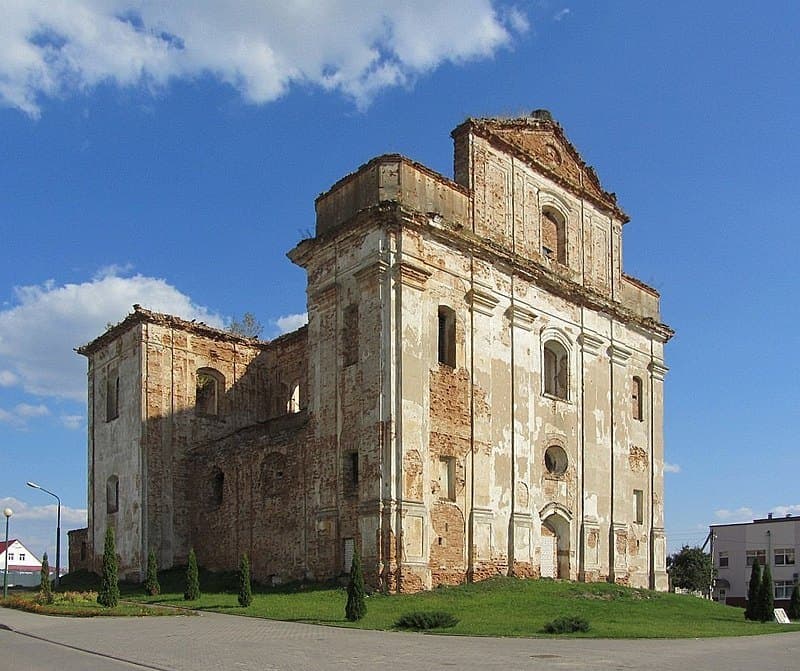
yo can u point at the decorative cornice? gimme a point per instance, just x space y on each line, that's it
521 316
412 276
619 353
372 271
657 370
590 343
482 302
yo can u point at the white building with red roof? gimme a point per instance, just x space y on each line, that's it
23 566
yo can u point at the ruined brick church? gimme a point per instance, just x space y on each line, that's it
478 391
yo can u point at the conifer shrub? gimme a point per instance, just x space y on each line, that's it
793 611
422 621
108 594
566 625
751 609
245 591
766 596
356 607
151 584
192 591
45 591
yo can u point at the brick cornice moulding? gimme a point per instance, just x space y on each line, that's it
372 270
619 353
481 301
521 317
412 275
590 343
658 370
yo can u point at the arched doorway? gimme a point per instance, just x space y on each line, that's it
555 543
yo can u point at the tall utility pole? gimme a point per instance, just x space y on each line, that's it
8 513
58 530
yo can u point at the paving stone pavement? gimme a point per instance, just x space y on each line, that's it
211 642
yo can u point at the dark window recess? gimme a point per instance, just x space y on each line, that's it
447 336
112 393
350 335
351 473
217 488
112 494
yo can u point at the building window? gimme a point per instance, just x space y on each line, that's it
350 335
555 460
217 487
636 399
447 478
349 546
783 589
556 369
112 494
293 404
22 556
554 236
351 473
83 550
723 559
210 382
447 336
112 393
638 506
10 556
752 555
784 556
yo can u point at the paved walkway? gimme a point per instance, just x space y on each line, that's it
231 643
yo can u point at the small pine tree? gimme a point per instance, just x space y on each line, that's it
751 609
793 611
45 592
151 585
245 592
192 592
356 607
766 596
108 595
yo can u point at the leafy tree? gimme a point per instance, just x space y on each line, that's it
691 569
108 595
192 592
793 611
245 592
151 585
248 327
751 609
356 607
766 596
45 592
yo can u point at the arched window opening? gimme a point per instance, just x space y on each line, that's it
217 487
293 404
447 336
554 236
112 494
210 383
636 399
112 393
555 460
556 369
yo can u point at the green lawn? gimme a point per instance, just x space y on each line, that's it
76 604
498 607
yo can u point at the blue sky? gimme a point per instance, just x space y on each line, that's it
170 155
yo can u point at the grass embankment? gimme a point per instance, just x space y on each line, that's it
76 604
498 607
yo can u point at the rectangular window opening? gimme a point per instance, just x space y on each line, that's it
447 478
351 473
638 502
723 559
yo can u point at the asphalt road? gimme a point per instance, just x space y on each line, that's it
225 642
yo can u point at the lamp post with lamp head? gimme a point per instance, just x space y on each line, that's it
58 530
8 513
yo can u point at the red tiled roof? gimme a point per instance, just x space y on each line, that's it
4 545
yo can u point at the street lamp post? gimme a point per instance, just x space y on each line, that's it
58 530
8 513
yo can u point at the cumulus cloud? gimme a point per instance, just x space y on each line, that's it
39 332
289 323
18 416
743 514
671 468
72 422
259 48
26 511
7 378
782 511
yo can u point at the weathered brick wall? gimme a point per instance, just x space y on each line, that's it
79 550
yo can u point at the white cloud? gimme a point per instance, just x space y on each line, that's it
743 514
782 511
53 48
671 468
18 417
562 14
39 333
72 422
289 323
7 378
28 512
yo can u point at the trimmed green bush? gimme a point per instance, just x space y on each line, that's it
751 609
356 607
793 611
192 592
245 591
566 625
151 585
421 621
108 595
766 596
45 592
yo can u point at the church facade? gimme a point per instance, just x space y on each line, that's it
478 391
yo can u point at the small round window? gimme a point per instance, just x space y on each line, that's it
555 460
